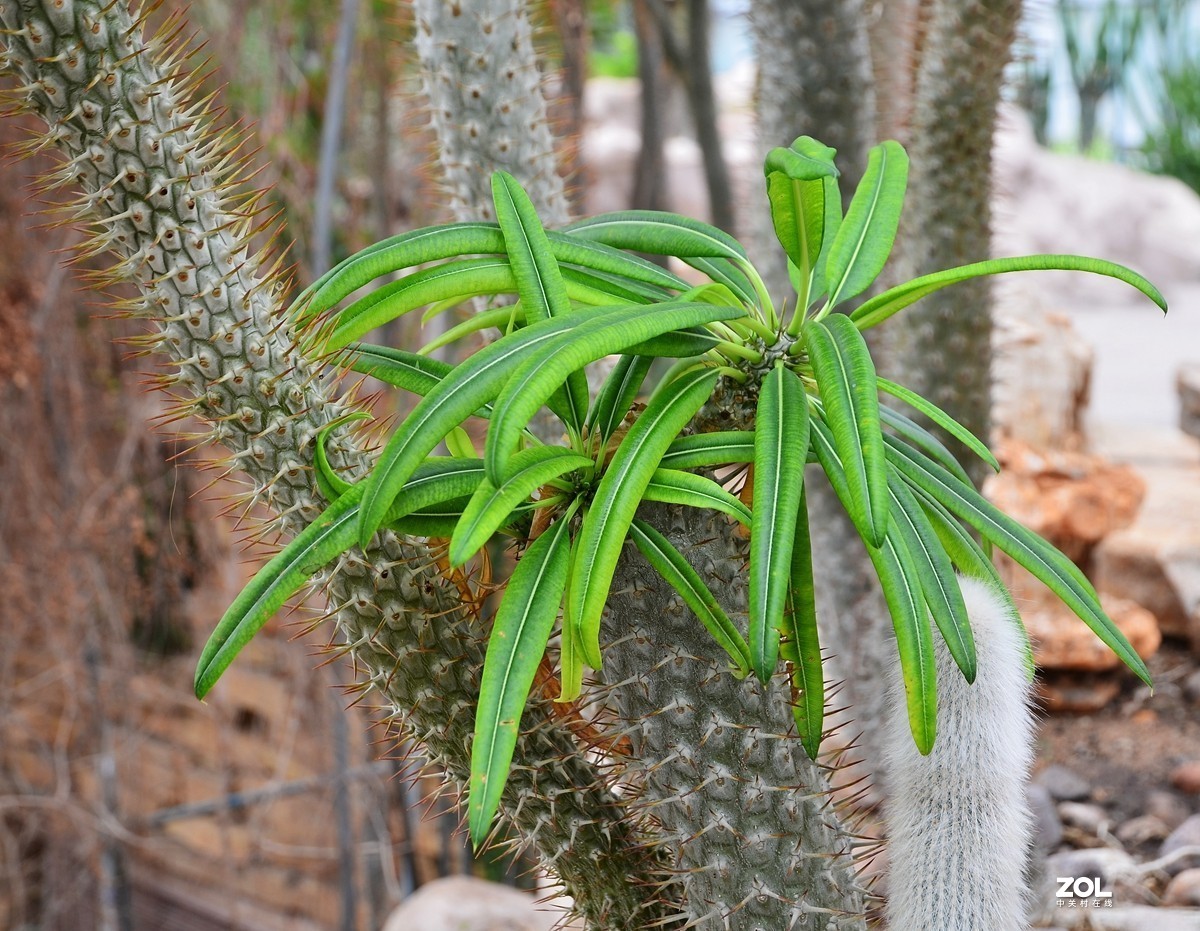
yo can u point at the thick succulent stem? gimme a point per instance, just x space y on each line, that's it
487 105
150 177
959 827
759 846
941 347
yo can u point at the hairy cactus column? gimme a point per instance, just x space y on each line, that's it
941 347
759 846
146 169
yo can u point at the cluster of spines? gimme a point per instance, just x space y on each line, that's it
165 192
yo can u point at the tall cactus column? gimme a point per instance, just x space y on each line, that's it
144 165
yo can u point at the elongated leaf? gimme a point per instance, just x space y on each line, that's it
942 419
679 574
708 450
781 435
475 382
620 290
540 284
914 636
437 521
864 240
435 481
877 309
918 436
670 486
569 656
933 568
1026 548
515 648
603 332
850 395
408 370
330 484
724 271
808 675
462 279
499 317
491 505
314 547
616 499
676 344
617 394
819 286
796 190
658 233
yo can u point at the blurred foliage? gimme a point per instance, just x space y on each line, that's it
1172 121
613 51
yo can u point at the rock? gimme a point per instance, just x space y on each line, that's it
1143 829
1184 890
1075 692
1186 835
1064 785
1191 688
1090 818
1073 499
1188 383
1102 863
1186 777
1047 827
463 903
1167 807
1041 370
1132 918
1061 641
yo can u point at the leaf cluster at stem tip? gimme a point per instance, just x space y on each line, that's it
573 297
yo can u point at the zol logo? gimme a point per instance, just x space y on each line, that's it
1080 887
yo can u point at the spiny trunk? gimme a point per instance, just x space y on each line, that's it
144 168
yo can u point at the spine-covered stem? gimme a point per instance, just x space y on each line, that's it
959 827
146 169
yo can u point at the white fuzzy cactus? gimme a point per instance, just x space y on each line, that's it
959 828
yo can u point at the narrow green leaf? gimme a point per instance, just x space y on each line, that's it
1026 548
331 485
808 675
658 233
437 521
877 309
501 318
918 436
724 271
819 286
850 396
781 436
530 469
709 450
617 394
474 383
569 656
315 546
540 284
616 499
671 486
914 636
435 481
460 445
601 332
676 344
515 648
942 419
933 568
864 240
408 370
620 290
796 190
679 574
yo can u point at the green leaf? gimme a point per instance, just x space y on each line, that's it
408 370
935 571
670 486
781 434
314 547
460 445
1026 548
331 485
914 638
918 436
473 384
569 657
600 333
617 394
515 648
438 520
850 397
808 676
796 190
725 272
877 309
658 233
491 505
620 290
864 240
676 344
616 500
679 574
540 284
501 318
435 481
819 286
941 418
708 450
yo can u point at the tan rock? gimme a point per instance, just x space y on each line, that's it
1184 890
1075 692
1188 383
1062 641
462 903
1072 499
1186 777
